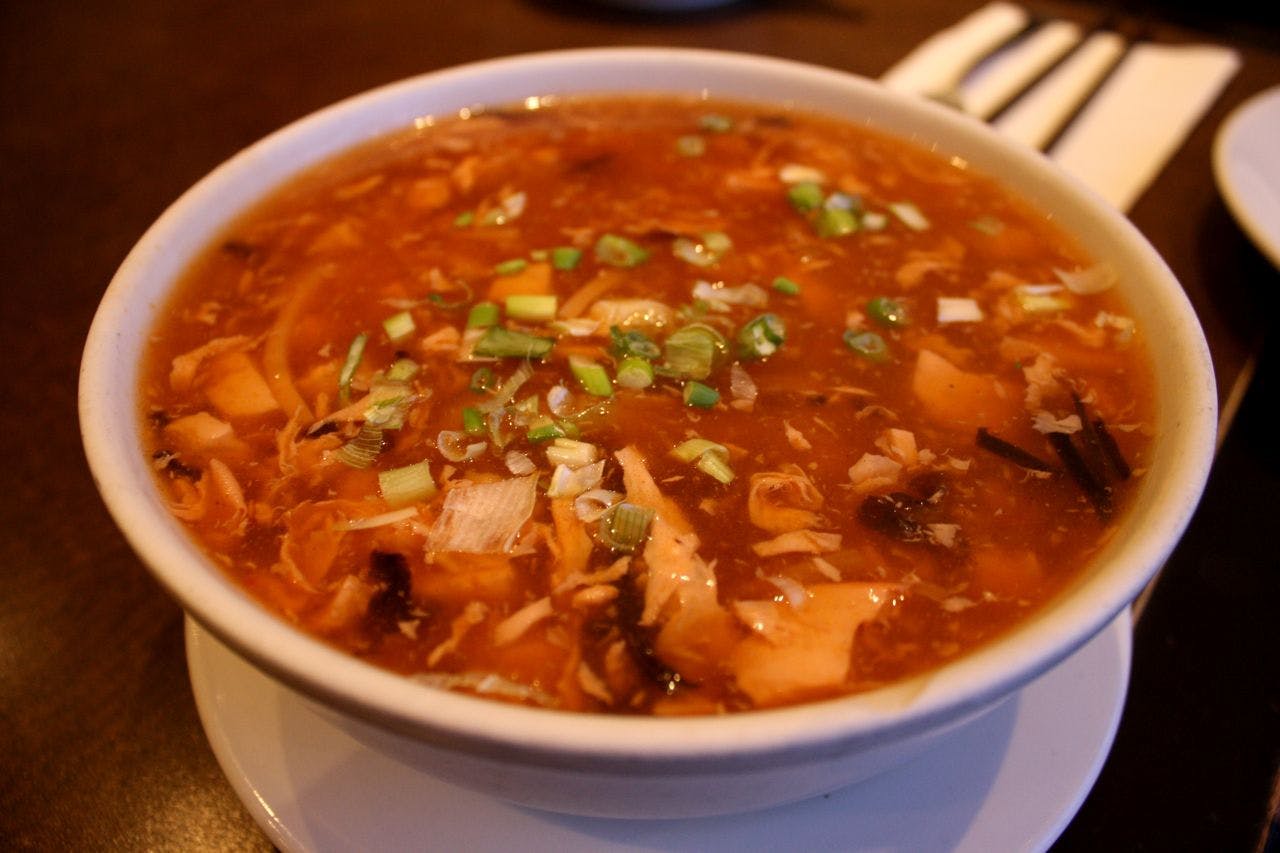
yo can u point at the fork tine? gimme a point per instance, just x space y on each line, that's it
997 83
1041 113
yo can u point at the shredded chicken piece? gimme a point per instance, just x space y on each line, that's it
472 615
798 542
517 624
795 651
182 373
275 347
796 438
873 472
782 501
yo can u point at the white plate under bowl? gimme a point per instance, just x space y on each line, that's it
1246 165
1010 780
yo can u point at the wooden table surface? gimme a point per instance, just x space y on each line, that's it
111 110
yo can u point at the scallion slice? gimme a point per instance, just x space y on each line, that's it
708 456
691 145
910 215
505 343
482 380
805 196
354 353
786 286
699 395
463 219
591 376
869 345
534 307
482 315
399 326
402 370
634 372
407 484
572 453
510 266
692 448
762 336
544 429
632 343
473 421
624 526
455 446
887 312
617 251
360 451
715 123
835 222
693 351
565 257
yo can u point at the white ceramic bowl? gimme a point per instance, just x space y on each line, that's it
601 765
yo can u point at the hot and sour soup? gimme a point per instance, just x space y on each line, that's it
648 405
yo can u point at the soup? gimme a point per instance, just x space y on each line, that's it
648 406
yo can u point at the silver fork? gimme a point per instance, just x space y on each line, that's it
1026 76
1109 109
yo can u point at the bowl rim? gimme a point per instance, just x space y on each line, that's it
966 686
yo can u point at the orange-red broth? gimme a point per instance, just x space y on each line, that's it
418 222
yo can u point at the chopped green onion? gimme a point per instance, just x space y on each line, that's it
869 345
453 445
690 449
693 351
399 326
712 459
565 257
910 215
407 484
360 451
388 412
713 246
691 146
634 372
465 218
506 392
572 453
354 354
624 526
523 306
544 429
482 380
591 376
511 266
805 195
1034 300
715 466
702 396
632 343
618 251
439 300
482 315
873 220
797 173
473 421
887 312
402 370
504 343
835 222
537 255
988 225
786 286
762 336
715 123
